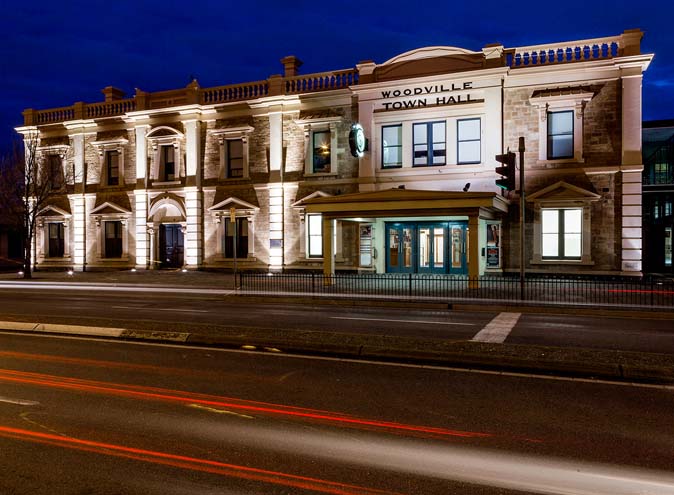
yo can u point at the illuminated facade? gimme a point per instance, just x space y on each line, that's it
264 175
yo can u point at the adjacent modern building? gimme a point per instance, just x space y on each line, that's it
658 194
384 167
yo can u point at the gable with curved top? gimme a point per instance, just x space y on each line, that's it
167 209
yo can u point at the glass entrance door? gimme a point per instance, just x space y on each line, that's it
171 246
425 247
400 248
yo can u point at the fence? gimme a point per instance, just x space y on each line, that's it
594 292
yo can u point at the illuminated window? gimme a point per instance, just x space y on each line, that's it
314 236
392 146
112 167
113 239
469 143
429 141
235 240
56 236
560 135
234 158
168 165
662 173
562 233
321 152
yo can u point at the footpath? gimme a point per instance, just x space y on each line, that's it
570 362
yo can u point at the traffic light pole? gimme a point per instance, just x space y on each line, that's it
522 217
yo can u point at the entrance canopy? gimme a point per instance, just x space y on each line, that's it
407 203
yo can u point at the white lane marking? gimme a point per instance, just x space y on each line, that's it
403 321
498 329
113 288
370 362
145 308
20 402
54 328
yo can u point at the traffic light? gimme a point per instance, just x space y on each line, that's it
507 171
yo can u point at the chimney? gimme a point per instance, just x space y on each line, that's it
111 93
291 64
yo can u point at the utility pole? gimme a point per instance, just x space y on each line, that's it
522 217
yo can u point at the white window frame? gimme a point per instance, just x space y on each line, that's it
309 235
458 141
550 104
232 134
102 148
166 136
319 125
561 233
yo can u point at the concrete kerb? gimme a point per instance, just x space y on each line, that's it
577 363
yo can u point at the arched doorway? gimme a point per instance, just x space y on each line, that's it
166 226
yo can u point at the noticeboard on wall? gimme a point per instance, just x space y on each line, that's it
365 232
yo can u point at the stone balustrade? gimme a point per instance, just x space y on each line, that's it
625 44
109 108
234 92
321 82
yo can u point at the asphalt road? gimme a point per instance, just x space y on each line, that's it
94 417
207 312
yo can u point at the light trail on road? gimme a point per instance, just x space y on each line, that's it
192 463
183 397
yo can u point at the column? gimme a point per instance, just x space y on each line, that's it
193 231
78 203
140 194
276 194
631 168
192 150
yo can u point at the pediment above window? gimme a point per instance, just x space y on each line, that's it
299 204
308 118
164 132
110 208
109 144
53 211
562 192
232 202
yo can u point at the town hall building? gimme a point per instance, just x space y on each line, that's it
385 167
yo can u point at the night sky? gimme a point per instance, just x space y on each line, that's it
54 53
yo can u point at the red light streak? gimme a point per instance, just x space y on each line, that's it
151 393
192 463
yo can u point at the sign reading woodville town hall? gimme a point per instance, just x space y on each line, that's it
260 175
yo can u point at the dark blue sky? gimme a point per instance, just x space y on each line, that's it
54 53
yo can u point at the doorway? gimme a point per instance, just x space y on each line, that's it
171 246
426 247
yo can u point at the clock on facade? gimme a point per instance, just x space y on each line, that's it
357 141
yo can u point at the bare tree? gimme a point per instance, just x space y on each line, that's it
27 181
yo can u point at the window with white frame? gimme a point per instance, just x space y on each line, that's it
468 141
560 135
392 146
112 167
314 224
561 233
321 152
167 163
234 158
430 144
235 239
560 130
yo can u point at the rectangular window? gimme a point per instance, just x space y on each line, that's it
112 167
429 141
468 138
56 246
321 152
235 158
560 135
55 171
392 146
236 238
562 233
113 239
315 236
662 173
168 163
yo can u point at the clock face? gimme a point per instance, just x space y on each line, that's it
360 140
357 141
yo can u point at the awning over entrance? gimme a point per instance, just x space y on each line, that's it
407 203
